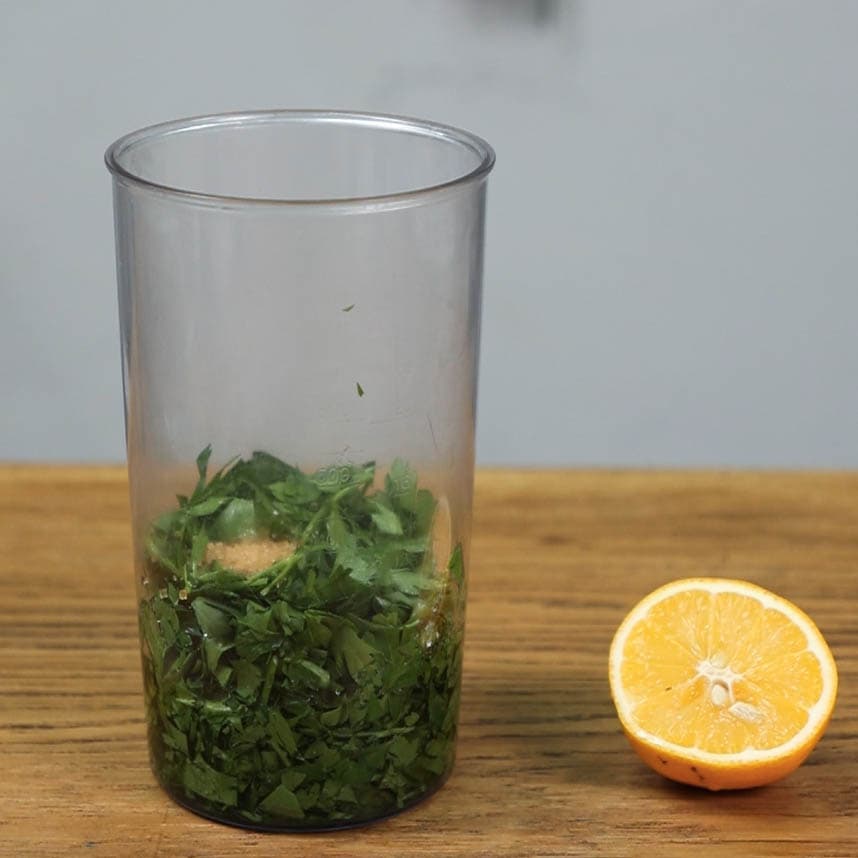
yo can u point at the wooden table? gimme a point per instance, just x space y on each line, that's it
558 559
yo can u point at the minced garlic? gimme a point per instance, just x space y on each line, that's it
250 555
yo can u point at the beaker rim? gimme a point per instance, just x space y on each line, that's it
483 152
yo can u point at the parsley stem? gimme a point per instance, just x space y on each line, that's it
286 565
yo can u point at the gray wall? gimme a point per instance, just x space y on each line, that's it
672 254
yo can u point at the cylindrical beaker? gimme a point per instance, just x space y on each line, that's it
299 298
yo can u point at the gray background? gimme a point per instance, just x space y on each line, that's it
673 222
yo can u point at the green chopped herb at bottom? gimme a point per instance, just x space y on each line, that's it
323 689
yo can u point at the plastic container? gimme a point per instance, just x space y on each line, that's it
299 298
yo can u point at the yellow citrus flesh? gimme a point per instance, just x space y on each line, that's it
721 684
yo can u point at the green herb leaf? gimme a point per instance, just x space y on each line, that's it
282 803
322 690
213 621
386 520
309 672
202 467
200 778
281 732
206 507
348 647
237 520
456 565
247 678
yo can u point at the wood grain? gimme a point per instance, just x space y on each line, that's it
558 559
